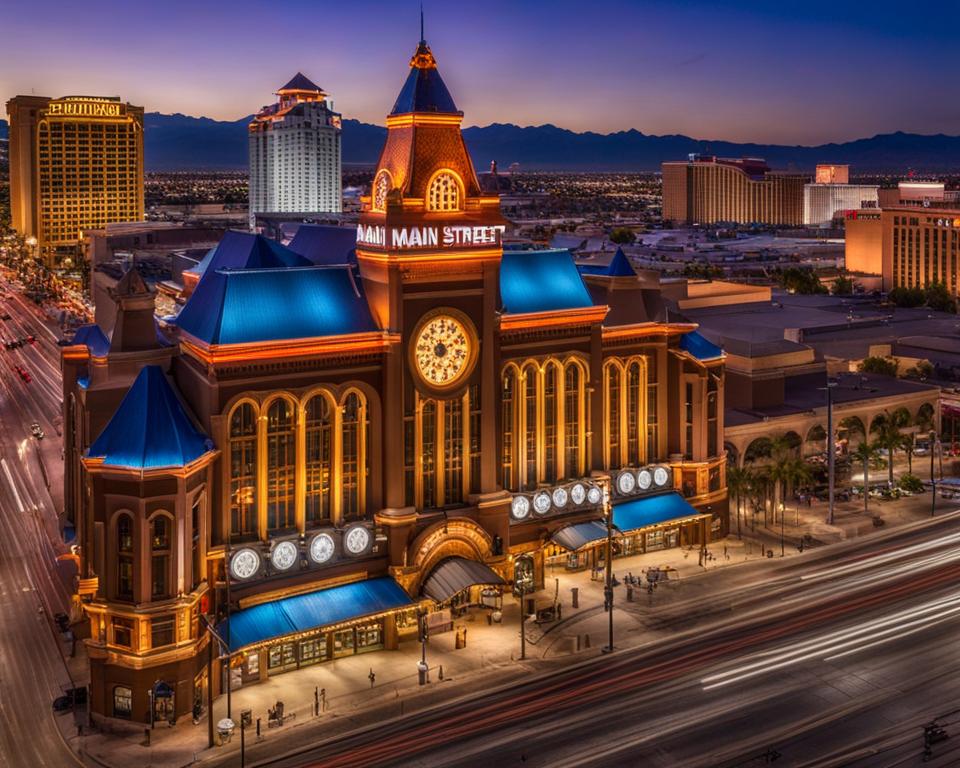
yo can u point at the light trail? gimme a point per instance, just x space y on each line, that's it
13 486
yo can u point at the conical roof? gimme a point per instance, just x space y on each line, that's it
300 82
424 90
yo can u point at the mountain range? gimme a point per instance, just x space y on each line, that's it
181 142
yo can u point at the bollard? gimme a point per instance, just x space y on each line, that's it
146 737
575 592
441 671
578 642
422 669
258 727
586 641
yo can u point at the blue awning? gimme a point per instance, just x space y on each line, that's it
700 347
579 535
312 610
652 510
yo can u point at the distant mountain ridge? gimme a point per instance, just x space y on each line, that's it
181 142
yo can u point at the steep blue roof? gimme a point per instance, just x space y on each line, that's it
651 510
541 281
258 305
325 244
619 266
301 613
93 338
699 346
243 250
424 90
150 429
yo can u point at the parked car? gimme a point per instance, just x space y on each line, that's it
36 430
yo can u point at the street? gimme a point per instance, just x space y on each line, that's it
838 658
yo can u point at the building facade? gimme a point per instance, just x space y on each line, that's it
76 164
295 153
822 203
328 448
710 190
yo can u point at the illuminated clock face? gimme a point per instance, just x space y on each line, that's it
644 478
626 482
660 476
560 497
520 507
244 563
284 555
357 540
541 503
578 493
442 351
321 548
594 495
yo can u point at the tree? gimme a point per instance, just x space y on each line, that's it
844 286
622 236
922 371
885 366
907 297
738 483
865 453
887 428
938 298
800 280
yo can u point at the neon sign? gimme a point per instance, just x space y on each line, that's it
84 108
449 236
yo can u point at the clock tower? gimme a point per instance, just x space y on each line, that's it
429 246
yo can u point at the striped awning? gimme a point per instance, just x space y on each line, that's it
579 535
455 574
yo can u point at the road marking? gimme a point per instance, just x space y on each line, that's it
16 493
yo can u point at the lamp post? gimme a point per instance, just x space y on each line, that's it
608 586
831 449
781 509
933 479
523 625
423 670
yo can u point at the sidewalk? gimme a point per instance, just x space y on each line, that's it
491 657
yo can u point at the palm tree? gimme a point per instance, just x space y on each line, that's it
865 453
886 427
738 482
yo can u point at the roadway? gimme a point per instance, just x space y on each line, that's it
836 658
32 668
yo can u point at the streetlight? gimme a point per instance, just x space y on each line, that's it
608 586
933 479
831 447
422 668
781 508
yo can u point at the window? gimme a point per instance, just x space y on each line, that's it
281 465
195 513
634 436
381 187
125 557
626 398
475 426
162 631
243 462
428 453
688 422
452 451
507 416
160 557
531 378
122 632
653 450
712 409
122 701
612 376
550 386
318 429
573 420
444 193
354 429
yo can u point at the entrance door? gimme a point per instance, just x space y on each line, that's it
344 643
281 657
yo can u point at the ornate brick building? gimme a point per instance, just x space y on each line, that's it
324 448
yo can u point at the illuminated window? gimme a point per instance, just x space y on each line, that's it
444 193
531 379
125 557
160 557
122 701
428 453
452 451
281 465
507 429
353 465
634 434
613 389
625 402
243 473
318 428
573 408
381 187
653 450
550 387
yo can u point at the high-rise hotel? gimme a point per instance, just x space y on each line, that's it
76 164
295 153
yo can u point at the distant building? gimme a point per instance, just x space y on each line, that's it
913 241
822 203
832 174
76 164
708 190
295 153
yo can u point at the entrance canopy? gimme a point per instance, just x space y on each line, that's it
580 535
456 574
313 610
653 510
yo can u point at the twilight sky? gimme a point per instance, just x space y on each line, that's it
744 70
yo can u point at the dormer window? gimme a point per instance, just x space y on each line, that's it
445 192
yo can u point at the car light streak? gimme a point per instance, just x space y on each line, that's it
16 493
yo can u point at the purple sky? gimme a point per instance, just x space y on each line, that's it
767 71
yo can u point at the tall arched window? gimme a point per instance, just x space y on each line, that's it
318 427
573 410
160 535
508 476
444 193
452 451
653 441
551 385
354 471
281 465
243 471
531 380
633 396
625 402
125 557
612 375
428 453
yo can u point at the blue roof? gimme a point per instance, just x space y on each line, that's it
424 90
243 306
651 510
243 250
541 281
579 535
150 429
325 244
94 339
619 266
313 610
699 346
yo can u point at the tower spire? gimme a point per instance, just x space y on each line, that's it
422 38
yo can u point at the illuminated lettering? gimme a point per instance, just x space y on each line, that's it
429 237
84 108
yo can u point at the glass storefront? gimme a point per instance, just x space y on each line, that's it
297 654
633 543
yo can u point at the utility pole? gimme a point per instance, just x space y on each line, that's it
831 447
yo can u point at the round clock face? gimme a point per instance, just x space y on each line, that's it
626 482
442 350
244 563
644 478
284 555
594 495
520 507
321 548
661 476
560 497
578 493
541 503
357 540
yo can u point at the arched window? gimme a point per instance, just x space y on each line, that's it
531 380
508 429
428 453
381 188
634 398
160 535
243 471
281 465
573 411
354 469
653 450
551 386
452 451
319 429
444 193
125 557
611 374
625 402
